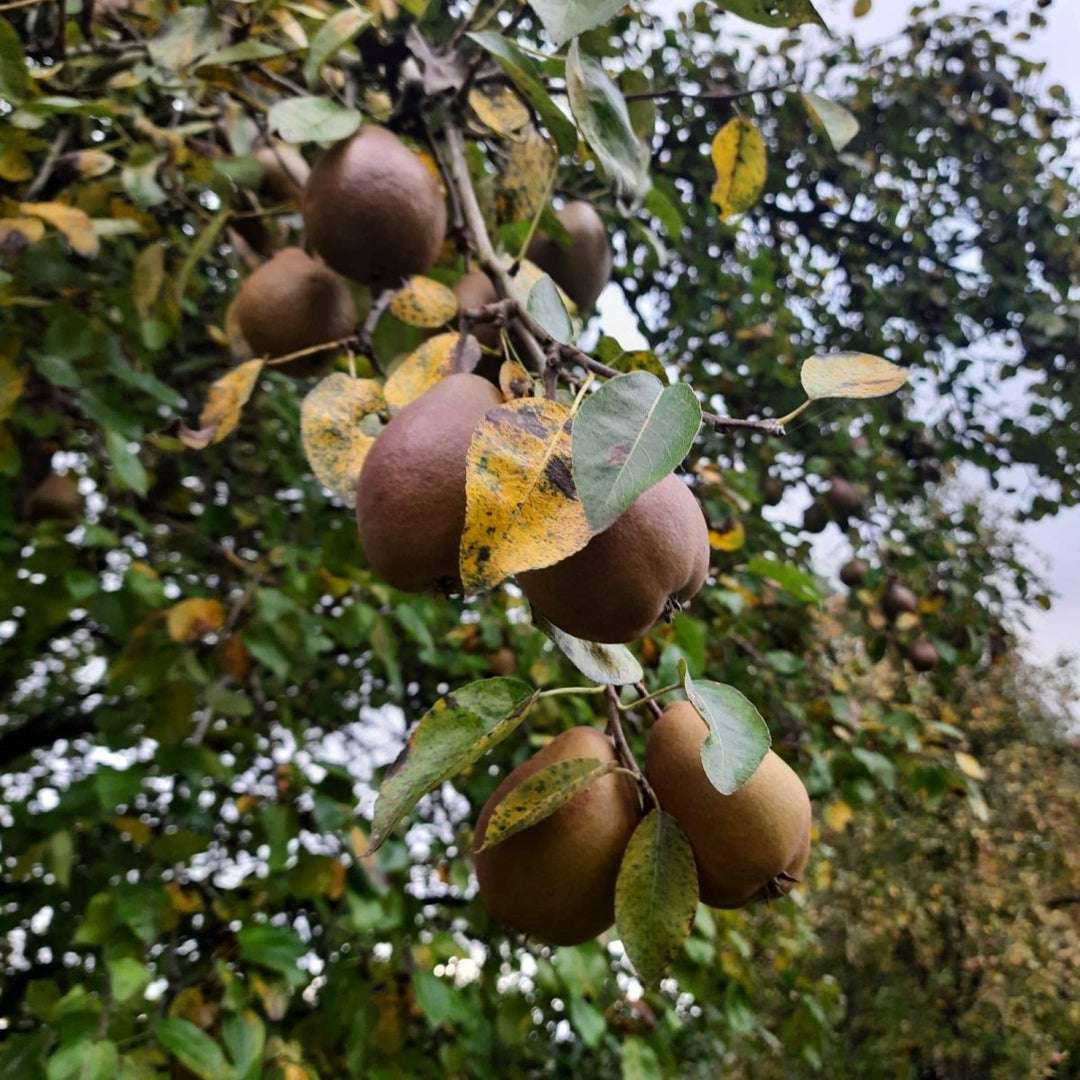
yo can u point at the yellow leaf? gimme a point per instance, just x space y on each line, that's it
92 163
424 303
434 360
862 7
148 275
15 166
500 109
731 537
522 511
76 226
970 766
738 153
526 178
224 403
850 375
906 621
193 619
12 384
514 381
838 816
138 830
31 228
185 901
336 439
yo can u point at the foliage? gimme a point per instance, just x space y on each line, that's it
202 680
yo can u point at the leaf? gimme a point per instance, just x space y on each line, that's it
12 385
332 37
838 816
148 275
455 732
312 119
798 583
738 738
546 306
192 620
526 76
129 470
738 153
127 977
91 164
184 37
541 795
731 536
526 178
193 1048
500 109
839 125
850 375
522 511
774 13
609 665
514 381
331 428
74 223
969 765
627 437
275 947
564 19
224 403
862 7
603 119
424 303
656 895
245 52
244 1035
639 1061
32 228
14 78
434 360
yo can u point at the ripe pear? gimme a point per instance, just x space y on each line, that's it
751 845
285 172
854 572
649 562
584 268
771 488
898 600
556 879
922 654
373 210
56 498
292 303
815 518
843 497
475 290
410 498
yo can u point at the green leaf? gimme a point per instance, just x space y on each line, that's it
839 125
602 116
194 1049
14 78
333 36
439 1001
525 75
541 795
609 665
627 437
185 37
666 212
244 1035
456 731
797 582
639 1061
546 306
775 13
564 19
312 119
245 53
127 977
588 1021
275 947
656 895
738 737
129 469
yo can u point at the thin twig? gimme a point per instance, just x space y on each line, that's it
22 3
47 165
379 304
273 361
704 95
647 699
622 747
729 423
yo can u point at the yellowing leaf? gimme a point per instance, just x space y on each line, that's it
137 829
839 125
434 360
76 226
730 537
148 275
738 153
514 380
224 403
12 384
850 375
522 510
500 109
862 7
31 228
970 766
526 178
424 303
193 619
92 163
185 901
838 816
15 166
335 442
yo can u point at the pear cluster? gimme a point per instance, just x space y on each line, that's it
556 880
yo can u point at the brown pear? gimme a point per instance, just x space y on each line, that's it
475 290
843 497
410 498
373 210
292 303
584 267
646 565
556 879
771 488
56 498
922 654
751 845
815 518
285 172
854 572
898 600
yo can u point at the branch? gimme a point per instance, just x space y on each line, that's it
622 747
34 734
705 95
728 423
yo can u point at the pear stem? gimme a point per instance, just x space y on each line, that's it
796 412
622 747
561 690
647 698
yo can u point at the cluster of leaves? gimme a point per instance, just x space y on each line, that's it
209 677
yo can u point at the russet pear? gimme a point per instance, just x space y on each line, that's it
583 268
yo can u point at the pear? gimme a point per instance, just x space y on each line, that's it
753 844
373 210
475 290
56 498
584 268
815 518
285 172
922 655
410 497
843 497
556 879
854 572
898 600
647 564
292 303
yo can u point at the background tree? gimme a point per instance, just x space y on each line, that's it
202 677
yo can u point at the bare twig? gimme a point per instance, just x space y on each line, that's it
379 304
705 95
622 747
729 423
47 165
273 361
647 699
